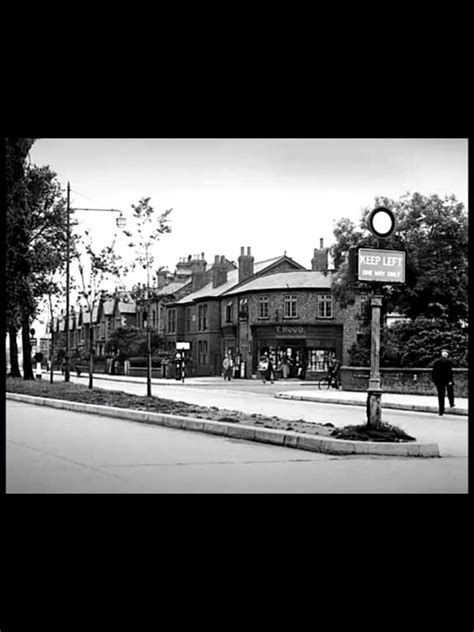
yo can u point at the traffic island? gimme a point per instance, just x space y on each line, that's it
283 438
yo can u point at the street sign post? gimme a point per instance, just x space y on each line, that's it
377 266
381 266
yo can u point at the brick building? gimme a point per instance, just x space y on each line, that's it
274 306
245 308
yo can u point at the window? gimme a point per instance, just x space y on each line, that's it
290 306
188 319
318 359
243 308
202 351
171 321
263 306
325 306
228 312
153 318
202 317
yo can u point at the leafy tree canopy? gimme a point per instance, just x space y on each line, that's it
434 234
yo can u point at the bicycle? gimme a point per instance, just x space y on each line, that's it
328 381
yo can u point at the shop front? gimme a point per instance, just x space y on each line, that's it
297 351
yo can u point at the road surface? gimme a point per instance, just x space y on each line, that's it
57 451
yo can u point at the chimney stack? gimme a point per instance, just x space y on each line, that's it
219 271
245 264
320 261
162 278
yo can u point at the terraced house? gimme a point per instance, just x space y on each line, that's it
245 308
275 306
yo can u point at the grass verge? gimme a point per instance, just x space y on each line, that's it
119 399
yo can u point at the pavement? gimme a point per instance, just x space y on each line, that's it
397 401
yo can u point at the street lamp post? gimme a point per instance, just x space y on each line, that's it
120 221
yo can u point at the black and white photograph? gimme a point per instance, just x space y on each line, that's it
236 315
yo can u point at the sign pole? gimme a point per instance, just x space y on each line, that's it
374 392
387 266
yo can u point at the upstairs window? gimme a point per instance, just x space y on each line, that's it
243 308
188 319
290 306
228 312
263 306
202 317
325 306
171 321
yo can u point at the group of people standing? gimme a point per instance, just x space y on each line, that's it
442 374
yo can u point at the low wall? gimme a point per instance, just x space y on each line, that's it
395 380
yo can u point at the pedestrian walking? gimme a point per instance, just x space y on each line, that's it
443 379
333 371
285 367
263 367
269 372
227 365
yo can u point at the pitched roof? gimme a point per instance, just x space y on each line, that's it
306 279
171 288
207 291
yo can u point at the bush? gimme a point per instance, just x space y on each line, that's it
143 362
414 344
384 432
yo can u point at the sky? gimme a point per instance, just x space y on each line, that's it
274 195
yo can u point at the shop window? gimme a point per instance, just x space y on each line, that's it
290 306
318 359
263 306
325 306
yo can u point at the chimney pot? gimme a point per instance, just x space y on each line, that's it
242 251
248 250
222 258
216 259
321 243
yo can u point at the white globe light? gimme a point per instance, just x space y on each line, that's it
382 222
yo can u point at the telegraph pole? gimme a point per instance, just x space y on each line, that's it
120 221
66 358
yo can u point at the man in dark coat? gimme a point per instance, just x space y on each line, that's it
443 379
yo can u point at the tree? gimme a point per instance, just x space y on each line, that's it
126 342
148 230
102 267
55 291
433 233
17 291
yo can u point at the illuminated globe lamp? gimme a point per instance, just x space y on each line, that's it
381 222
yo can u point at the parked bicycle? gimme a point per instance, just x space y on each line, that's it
328 380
